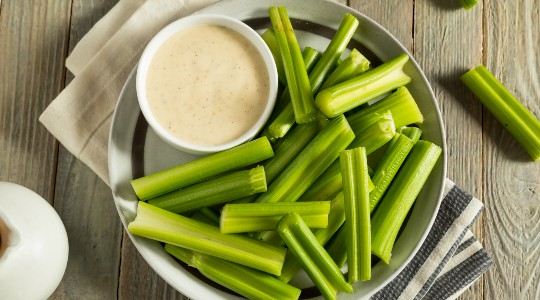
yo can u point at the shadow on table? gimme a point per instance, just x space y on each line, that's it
448 4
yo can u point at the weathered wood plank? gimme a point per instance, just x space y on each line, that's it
33 42
85 203
448 41
512 181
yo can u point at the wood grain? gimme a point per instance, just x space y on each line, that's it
85 203
33 43
512 181
447 41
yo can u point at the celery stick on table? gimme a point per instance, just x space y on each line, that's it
201 169
515 117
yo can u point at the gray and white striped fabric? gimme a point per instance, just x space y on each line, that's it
450 259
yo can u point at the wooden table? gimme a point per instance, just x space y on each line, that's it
36 36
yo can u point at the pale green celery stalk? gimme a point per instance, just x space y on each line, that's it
336 217
310 56
347 95
250 217
388 166
400 196
339 42
250 283
369 120
356 194
322 270
158 224
201 169
290 146
515 117
400 103
414 133
206 215
468 4
327 185
269 38
336 247
214 191
354 65
304 108
316 157
375 136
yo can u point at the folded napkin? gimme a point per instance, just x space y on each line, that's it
448 262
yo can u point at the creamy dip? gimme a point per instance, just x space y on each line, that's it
207 85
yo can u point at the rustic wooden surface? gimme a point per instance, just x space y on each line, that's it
36 37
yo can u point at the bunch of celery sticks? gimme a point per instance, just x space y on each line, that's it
333 182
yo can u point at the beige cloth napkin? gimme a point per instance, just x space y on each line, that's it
80 117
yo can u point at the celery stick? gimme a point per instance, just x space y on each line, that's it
310 163
291 145
388 166
468 4
399 198
354 65
250 283
375 136
304 108
346 29
269 38
400 103
322 270
347 95
356 194
249 217
158 224
515 117
201 169
369 120
336 217
413 133
214 191
336 247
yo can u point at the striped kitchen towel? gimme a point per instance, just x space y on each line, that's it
450 259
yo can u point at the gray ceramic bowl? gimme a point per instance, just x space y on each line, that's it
135 150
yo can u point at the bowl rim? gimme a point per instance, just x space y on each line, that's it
187 22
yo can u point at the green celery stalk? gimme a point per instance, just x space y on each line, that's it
515 117
370 119
291 145
336 217
250 283
322 270
304 108
388 166
316 157
358 227
201 169
250 217
214 191
375 136
158 224
354 65
347 95
400 196
269 38
336 247
414 133
400 103
339 42
468 4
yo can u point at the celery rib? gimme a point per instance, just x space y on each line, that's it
399 198
322 270
269 38
515 117
376 135
358 226
214 191
248 282
347 95
201 169
164 226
